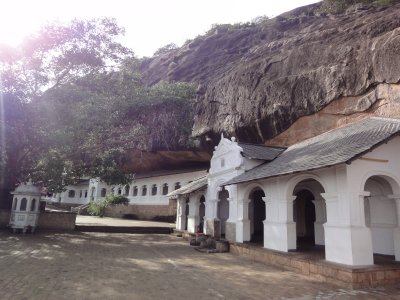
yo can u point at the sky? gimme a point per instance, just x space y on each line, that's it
149 24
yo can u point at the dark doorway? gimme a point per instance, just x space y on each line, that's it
202 213
223 209
257 216
304 216
186 214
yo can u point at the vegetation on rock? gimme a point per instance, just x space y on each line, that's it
340 6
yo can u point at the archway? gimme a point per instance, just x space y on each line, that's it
202 213
257 215
223 208
309 214
381 216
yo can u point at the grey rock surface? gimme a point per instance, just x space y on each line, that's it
257 80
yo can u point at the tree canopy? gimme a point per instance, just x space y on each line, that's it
73 102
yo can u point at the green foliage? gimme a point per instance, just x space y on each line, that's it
166 49
97 208
117 200
340 6
75 105
60 53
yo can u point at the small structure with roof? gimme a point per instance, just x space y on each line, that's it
25 207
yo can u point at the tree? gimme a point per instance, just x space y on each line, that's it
59 53
78 104
53 58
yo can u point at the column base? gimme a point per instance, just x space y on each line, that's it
396 237
193 222
180 222
280 236
319 233
230 231
348 245
213 228
243 231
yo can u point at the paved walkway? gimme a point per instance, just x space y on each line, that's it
126 266
96 221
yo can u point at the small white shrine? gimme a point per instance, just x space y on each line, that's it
25 207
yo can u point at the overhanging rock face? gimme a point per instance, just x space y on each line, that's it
256 81
142 161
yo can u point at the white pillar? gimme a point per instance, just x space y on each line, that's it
180 214
320 219
243 222
280 231
211 215
346 242
396 230
194 215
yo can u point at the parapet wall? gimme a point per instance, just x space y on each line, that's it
55 220
49 220
4 217
143 212
346 276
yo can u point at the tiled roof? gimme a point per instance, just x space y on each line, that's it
262 152
334 147
195 185
81 182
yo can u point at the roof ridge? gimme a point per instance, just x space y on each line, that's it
262 145
386 118
357 122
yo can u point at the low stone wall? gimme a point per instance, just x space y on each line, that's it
58 221
143 212
352 277
4 217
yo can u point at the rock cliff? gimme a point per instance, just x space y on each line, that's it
282 80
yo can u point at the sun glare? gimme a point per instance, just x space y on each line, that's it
150 24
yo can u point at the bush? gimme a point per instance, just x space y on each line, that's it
340 6
115 200
97 208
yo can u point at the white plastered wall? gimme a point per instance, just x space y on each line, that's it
374 190
227 162
343 229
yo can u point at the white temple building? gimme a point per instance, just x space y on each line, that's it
147 193
339 191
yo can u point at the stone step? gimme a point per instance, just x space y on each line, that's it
124 229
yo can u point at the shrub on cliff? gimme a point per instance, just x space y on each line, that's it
340 6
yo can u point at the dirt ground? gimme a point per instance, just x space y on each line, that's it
126 266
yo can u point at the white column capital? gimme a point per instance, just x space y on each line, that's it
244 201
395 197
267 200
230 199
330 197
365 194
194 201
